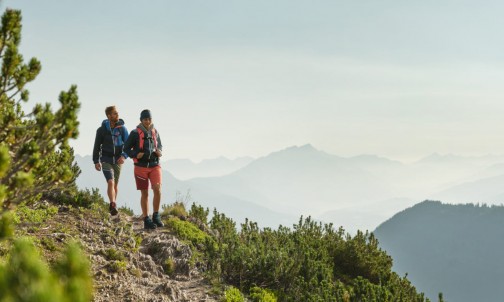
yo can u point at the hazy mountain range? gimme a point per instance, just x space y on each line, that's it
454 249
185 169
356 192
177 190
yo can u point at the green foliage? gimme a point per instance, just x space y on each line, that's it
35 159
126 210
113 254
187 231
176 209
135 272
73 271
85 198
199 213
117 266
4 160
258 294
48 244
6 225
169 266
312 262
35 215
361 256
38 156
233 294
27 278
4 167
80 198
138 241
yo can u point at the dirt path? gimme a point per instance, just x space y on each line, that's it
125 270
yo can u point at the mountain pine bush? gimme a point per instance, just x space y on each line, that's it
24 277
311 262
34 153
35 159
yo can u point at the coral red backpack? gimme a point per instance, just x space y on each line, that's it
141 140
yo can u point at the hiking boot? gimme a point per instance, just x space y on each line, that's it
149 224
156 218
113 209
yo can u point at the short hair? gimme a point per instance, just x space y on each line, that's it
109 110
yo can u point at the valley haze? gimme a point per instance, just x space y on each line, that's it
358 192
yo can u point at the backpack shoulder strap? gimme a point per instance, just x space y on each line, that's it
154 137
141 138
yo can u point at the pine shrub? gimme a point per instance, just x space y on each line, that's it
233 294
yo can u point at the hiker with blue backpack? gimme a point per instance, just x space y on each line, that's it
145 148
108 152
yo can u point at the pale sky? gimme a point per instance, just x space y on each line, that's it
400 79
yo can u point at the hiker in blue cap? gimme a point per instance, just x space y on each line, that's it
145 148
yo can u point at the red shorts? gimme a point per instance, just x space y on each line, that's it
143 175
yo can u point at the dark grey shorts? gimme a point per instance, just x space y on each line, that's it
111 171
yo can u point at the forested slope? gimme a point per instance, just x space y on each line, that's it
455 249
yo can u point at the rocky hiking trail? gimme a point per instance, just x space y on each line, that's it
129 263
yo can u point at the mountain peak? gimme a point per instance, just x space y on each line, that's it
307 147
306 150
303 148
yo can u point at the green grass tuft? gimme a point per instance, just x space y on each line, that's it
187 231
176 209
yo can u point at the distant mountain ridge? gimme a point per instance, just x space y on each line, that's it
300 180
486 190
185 169
356 192
456 249
177 190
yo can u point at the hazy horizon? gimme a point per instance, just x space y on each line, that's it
356 192
403 161
223 78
